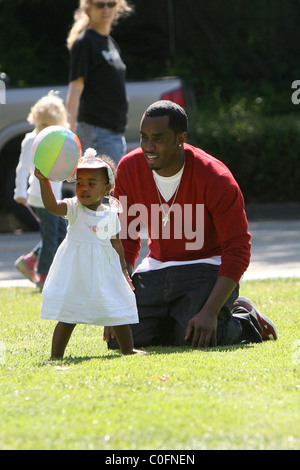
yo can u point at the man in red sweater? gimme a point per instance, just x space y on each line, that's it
199 246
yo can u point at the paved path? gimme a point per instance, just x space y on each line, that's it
275 252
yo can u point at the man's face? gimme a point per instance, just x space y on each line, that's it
161 146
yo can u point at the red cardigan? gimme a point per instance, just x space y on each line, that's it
207 219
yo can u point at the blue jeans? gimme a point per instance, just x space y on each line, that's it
168 298
103 140
53 231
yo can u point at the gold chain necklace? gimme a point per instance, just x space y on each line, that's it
166 217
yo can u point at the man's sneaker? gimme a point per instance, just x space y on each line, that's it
268 328
26 264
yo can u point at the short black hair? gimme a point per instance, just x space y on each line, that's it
178 119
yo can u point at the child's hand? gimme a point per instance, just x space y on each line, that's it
39 175
108 333
128 278
21 200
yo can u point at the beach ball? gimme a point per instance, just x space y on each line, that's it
56 152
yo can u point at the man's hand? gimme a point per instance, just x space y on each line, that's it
202 329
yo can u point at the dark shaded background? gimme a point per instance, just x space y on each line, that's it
241 56
234 45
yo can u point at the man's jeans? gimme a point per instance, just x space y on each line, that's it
102 140
168 298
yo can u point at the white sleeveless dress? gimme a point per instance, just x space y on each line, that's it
85 283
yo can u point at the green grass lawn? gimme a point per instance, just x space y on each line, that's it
241 397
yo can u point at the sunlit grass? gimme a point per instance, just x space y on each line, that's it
240 397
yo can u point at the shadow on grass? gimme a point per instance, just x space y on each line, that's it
72 360
184 349
153 350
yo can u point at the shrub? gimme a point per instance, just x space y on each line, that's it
261 151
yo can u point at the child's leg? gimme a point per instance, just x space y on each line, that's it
124 337
61 336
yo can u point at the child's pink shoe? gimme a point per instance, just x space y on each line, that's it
41 281
27 266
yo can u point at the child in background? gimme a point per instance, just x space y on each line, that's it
47 111
88 281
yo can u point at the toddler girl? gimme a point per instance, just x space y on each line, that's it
88 281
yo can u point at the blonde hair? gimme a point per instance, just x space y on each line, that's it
81 18
48 111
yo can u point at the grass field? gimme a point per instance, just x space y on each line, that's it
242 397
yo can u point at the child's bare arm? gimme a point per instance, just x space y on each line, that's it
116 243
58 208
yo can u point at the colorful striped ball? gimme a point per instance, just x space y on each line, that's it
56 152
